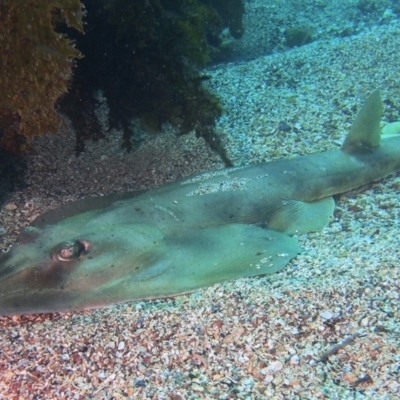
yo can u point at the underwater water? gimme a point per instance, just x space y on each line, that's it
326 326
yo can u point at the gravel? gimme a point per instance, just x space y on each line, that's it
325 327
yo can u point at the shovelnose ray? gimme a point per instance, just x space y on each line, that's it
189 234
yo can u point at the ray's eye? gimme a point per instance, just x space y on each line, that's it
71 250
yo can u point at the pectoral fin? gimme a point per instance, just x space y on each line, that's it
297 217
201 258
194 259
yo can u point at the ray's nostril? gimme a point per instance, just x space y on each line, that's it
87 245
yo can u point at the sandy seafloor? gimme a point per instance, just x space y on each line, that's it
252 338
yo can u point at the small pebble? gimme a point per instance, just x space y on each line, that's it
121 346
10 206
275 366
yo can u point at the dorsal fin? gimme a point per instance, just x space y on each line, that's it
365 134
